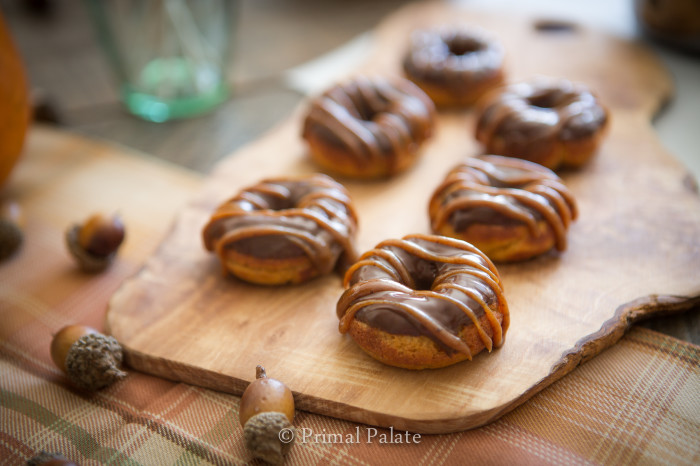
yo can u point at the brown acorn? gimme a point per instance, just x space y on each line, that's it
266 414
90 359
95 243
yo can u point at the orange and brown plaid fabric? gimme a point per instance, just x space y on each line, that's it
637 403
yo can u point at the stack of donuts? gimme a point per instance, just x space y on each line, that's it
429 299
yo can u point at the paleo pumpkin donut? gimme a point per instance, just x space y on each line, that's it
553 122
423 302
284 230
369 127
454 66
509 208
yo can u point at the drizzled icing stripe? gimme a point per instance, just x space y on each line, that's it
317 216
434 328
312 247
516 189
373 118
537 120
488 342
490 283
430 56
475 259
462 275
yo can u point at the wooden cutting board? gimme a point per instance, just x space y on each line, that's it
634 252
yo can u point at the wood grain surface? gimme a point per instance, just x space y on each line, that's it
633 253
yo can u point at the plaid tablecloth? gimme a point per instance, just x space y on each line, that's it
636 403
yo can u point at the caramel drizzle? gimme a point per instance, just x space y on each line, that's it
400 118
391 257
512 108
533 192
499 329
321 223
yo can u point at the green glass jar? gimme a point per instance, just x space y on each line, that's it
170 57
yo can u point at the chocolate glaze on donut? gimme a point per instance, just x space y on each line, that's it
424 285
454 66
369 127
502 192
285 218
547 121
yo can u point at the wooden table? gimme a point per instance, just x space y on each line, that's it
70 75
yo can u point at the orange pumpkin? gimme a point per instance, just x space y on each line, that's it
14 104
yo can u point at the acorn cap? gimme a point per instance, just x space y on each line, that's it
93 361
88 262
263 436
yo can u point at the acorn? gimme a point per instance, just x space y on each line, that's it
90 359
266 414
11 229
50 459
95 243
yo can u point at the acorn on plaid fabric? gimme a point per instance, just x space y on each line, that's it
266 414
90 359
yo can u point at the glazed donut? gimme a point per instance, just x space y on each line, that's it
551 122
284 230
454 66
511 209
368 127
423 302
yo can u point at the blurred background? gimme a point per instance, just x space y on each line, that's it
73 86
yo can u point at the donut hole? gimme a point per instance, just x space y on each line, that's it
280 203
464 45
281 198
269 197
368 113
544 100
424 274
371 111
